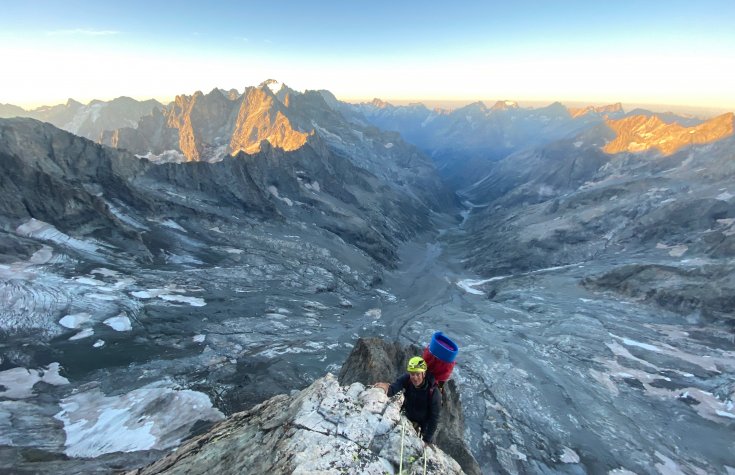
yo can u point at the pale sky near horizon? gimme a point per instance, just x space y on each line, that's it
643 52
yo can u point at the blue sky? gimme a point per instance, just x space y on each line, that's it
636 52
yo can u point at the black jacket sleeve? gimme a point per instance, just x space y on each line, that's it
436 410
398 385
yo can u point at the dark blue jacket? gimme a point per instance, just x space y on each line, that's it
422 405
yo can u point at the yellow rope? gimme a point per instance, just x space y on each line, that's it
403 431
424 460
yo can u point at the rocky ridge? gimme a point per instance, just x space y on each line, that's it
333 426
607 111
639 133
325 428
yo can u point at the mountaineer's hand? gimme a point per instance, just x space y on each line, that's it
383 386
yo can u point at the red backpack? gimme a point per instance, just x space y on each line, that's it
439 356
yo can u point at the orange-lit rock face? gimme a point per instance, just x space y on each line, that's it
193 116
259 119
203 121
640 133
577 112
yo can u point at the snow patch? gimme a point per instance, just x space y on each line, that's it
724 196
578 144
468 284
75 320
19 381
86 333
181 259
105 272
313 186
569 456
120 323
130 221
170 223
99 343
36 229
193 301
167 294
645 346
232 250
96 424
198 338
374 313
674 251
168 156
388 296
668 467
274 191
389 145
89 281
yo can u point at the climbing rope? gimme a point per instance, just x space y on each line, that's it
403 431
424 459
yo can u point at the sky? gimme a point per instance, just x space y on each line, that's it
635 52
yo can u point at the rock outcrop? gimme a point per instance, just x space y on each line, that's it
373 360
325 428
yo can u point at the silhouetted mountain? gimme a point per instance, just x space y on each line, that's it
9 110
91 120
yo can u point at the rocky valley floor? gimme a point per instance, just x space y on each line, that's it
554 377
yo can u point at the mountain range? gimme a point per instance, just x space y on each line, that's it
165 266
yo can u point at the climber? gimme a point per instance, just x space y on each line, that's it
421 403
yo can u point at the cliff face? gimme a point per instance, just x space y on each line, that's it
326 428
260 118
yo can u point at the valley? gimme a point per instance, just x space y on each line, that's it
145 298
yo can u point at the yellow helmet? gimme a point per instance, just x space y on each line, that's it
416 365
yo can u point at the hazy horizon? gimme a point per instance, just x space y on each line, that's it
447 104
673 52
